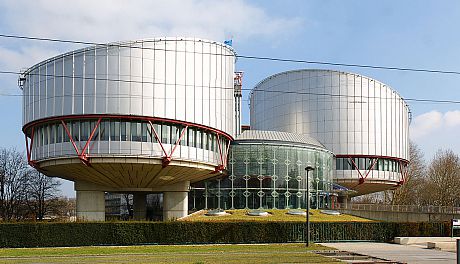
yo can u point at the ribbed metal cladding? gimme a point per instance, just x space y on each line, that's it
276 136
348 113
130 109
176 78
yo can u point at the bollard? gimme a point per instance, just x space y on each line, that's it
458 251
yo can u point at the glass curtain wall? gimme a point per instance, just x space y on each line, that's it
269 176
47 136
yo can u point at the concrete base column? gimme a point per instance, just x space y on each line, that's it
139 204
90 201
175 205
90 205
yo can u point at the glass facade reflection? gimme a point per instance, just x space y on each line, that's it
382 164
268 173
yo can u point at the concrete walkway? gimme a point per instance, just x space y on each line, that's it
402 253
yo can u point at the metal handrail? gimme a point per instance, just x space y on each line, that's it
399 208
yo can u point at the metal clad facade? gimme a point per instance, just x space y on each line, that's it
182 79
350 114
177 79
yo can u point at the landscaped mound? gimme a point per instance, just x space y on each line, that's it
274 215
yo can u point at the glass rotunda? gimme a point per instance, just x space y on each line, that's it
266 169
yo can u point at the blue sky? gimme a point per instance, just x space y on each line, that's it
416 34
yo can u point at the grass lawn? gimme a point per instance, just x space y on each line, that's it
260 253
275 215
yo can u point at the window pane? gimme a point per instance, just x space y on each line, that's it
213 142
52 133
76 130
104 130
123 131
45 135
40 136
199 139
191 137
144 133
151 133
380 168
84 127
157 128
206 137
138 131
347 165
58 133
135 131
338 164
165 134
174 134
183 140
92 125
128 130
362 163
115 131
124 136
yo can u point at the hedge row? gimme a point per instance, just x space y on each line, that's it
135 233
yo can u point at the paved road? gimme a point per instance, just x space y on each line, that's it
395 252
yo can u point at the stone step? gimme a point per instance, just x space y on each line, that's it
422 240
445 246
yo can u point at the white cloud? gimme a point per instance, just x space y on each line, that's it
425 123
106 21
114 20
452 118
18 59
121 20
433 122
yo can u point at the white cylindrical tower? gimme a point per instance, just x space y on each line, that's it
132 115
362 121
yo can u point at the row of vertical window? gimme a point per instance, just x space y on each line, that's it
120 130
381 164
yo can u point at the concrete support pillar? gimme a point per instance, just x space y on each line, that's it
90 202
175 205
90 205
139 204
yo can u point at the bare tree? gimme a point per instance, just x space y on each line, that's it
42 193
371 198
443 179
13 184
412 191
61 208
129 204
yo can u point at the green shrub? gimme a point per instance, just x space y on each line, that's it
135 233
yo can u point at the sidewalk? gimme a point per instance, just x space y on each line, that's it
403 253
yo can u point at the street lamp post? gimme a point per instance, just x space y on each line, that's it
317 193
307 235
